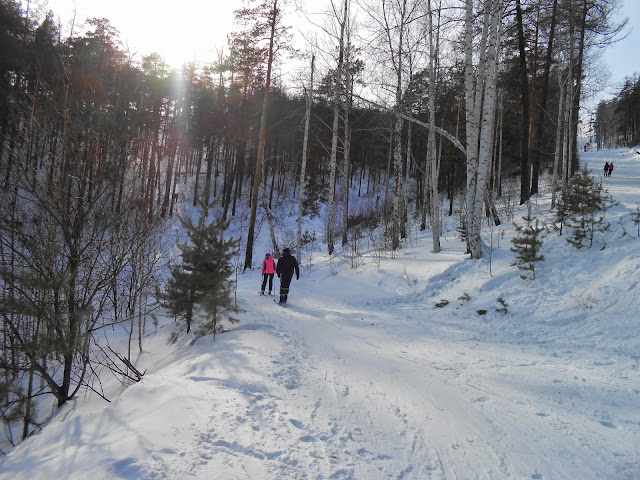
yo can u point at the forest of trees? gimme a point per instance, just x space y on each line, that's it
618 119
423 107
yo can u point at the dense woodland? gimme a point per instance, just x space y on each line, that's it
421 107
618 119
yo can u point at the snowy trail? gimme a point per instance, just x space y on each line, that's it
363 377
428 407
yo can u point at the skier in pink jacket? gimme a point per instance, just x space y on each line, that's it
268 270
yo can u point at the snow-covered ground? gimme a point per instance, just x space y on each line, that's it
364 377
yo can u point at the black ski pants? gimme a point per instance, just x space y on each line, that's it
265 277
285 281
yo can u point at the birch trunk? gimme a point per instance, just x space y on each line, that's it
347 167
407 172
500 132
347 174
525 192
485 101
558 149
347 139
303 168
426 176
435 167
398 229
472 108
566 160
397 184
334 139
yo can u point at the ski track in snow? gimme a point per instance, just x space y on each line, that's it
438 410
363 377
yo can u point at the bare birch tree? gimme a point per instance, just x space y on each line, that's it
431 145
559 137
303 167
337 99
347 138
480 93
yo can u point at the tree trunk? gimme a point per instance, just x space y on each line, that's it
485 108
337 94
267 212
525 192
435 167
397 220
347 140
532 119
347 166
473 87
559 133
540 129
577 67
566 155
303 167
248 259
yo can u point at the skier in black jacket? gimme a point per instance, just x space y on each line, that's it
287 264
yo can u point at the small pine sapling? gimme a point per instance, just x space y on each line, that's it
201 282
584 205
527 244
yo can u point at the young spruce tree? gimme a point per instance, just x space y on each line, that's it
201 282
582 209
527 244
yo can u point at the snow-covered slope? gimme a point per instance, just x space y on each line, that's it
364 377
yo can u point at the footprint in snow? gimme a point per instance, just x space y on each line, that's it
297 424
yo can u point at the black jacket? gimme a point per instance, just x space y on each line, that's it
287 264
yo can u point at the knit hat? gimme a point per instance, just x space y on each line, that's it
287 251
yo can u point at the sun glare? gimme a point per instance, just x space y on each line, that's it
179 31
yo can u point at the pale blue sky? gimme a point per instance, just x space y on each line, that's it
623 58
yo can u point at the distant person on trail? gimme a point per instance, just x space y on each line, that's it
268 269
610 168
287 264
606 168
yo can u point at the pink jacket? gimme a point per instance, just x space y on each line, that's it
268 265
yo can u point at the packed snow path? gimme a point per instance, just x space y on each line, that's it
391 371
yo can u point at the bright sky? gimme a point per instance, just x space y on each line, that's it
623 58
179 30
183 30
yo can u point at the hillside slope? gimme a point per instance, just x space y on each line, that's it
364 377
